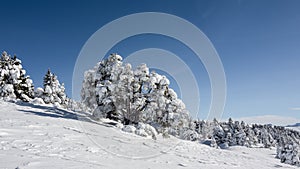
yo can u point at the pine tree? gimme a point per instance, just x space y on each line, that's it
13 80
113 90
53 91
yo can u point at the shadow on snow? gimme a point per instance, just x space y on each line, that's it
55 112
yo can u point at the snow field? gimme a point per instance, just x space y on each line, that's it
33 136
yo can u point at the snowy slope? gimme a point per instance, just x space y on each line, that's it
46 137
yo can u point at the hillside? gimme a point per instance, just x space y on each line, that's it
34 136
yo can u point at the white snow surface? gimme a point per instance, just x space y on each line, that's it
39 136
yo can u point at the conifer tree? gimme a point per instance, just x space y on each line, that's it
53 91
13 80
113 90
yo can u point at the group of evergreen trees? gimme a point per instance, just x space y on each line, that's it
134 96
15 84
225 134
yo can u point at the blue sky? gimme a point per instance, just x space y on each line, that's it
257 41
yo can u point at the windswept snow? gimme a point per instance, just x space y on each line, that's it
33 136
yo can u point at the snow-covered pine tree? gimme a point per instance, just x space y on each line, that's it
164 107
13 80
288 146
250 136
229 132
88 91
122 90
219 134
113 90
190 133
204 130
239 136
53 91
99 87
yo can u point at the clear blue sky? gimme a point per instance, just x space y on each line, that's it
257 41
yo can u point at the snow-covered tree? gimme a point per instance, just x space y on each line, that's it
99 85
53 92
289 153
251 139
114 90
288 146
190 133
13 80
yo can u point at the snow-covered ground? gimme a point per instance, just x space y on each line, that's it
33 136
